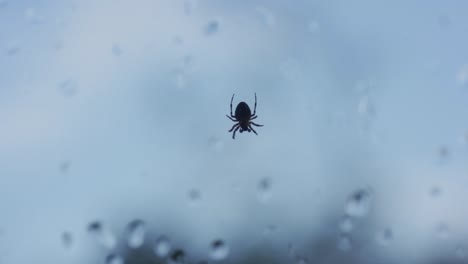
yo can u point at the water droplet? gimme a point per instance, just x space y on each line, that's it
188 61
162 247
463 139
194 195
366 107
435 191
443 153
189 6
58 45
313 27
344 243
444 21
291 69
180 79
264 189
302 260
64 166
178 256
460 251
67 240
216 143
267 16
462 75
135 233
385 236
346 224
114 259
32 16
359 203
116 50
219 250
269 230
211 28
68 88
102 234
442 230
12 48
363 87
291 250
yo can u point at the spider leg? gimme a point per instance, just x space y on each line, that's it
252 123
231 118
253 130
234 133
232 128
253 117
232 98
255 107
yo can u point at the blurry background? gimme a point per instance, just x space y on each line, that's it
114 145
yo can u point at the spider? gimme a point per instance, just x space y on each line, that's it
243 118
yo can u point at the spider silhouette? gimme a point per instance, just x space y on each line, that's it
243 118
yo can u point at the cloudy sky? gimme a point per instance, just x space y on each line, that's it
114 110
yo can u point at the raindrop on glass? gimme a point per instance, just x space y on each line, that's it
264 189
344 243
267 16
442 230
67 240
114 259
189 6
385 236
460 251
346 224
194 195
366 107
291 69
302 260
178 256
443 153
435 191
211 28
64 166
269 230
162 247
180 79
219 250
462 75
359 203
363 86
12 48
116 50
188 61
464 138
313 27
58 45
32 16
444 21
135 233
291 250
216 144
102 234
68 88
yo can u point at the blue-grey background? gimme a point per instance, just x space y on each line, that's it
114 110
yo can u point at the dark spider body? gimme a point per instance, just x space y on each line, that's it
243 118
242 114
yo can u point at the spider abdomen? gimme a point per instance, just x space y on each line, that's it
243 112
